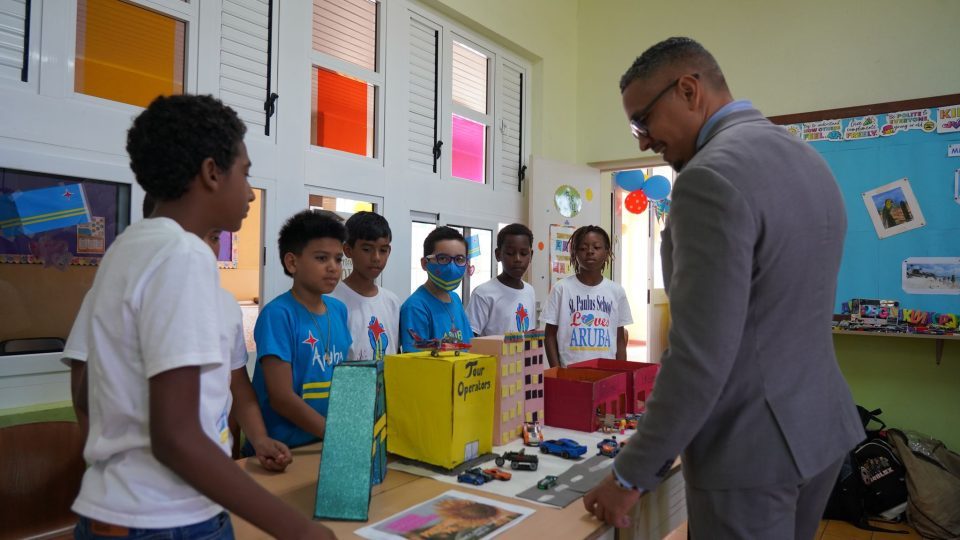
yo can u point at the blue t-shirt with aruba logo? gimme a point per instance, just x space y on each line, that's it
312 344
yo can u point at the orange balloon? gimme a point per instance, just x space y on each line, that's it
636 202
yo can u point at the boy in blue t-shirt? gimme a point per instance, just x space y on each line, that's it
434 311
302 334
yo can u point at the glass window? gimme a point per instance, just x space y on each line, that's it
469 78
342 113
526 379
127 53
418 233
346 29
344 208
53 232
469 149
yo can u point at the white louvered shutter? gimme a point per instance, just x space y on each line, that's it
346 29
422 128
13 17
510 125
244 35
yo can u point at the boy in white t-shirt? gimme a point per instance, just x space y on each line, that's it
156 380
507 303
373 312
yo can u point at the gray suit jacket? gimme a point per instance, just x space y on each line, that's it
749 389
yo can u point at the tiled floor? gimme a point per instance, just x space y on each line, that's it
837 530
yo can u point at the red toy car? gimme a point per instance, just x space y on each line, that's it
498 474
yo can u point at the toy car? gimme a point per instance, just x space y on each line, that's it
532 434
498 474
473 476
518 460
565 448
547 482
438 345
609 447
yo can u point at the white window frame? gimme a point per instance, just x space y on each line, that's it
32 83
447 104
375 78
187 12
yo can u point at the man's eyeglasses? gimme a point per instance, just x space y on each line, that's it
443 258
638 124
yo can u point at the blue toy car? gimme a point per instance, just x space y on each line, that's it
565 448
474 476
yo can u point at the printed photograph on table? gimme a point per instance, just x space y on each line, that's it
450 515
931 275
893 208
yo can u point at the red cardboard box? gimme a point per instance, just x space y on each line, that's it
640 378
575 396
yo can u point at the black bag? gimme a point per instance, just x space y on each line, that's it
872 481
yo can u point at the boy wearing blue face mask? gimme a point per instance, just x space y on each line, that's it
434 311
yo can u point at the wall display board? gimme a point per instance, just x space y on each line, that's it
897 177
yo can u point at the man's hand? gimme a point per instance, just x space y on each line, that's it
273 455
610 503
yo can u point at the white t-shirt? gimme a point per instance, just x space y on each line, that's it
587 318
153 307
231 333
496 309
374 322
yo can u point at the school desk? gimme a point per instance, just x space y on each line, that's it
656 515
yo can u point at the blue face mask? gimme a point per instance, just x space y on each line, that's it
446 276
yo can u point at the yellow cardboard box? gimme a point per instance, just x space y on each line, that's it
439 408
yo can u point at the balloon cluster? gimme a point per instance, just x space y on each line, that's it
642 190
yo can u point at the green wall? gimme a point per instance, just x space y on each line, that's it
47 412
785 56
901 376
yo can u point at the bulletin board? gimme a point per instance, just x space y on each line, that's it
898 166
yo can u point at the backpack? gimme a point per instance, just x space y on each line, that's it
872 481
933 481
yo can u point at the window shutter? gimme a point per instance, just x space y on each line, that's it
244 67
346 29
13 26
511 125
422 128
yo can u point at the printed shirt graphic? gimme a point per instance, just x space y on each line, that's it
587 318
433 319
286 329
496 309
373 322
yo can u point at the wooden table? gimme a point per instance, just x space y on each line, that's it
297 486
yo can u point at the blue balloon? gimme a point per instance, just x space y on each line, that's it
656 187
630 180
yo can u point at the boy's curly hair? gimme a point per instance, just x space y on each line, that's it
170 139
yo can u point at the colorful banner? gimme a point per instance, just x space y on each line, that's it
560 266
862 128
794 129
948 119
907 120
823 130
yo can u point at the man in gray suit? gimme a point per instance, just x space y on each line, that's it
749 389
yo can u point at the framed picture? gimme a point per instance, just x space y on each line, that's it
893 208
931 275
227 257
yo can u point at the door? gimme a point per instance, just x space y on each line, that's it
556 189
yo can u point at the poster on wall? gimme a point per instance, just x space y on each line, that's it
893 208
560 266
948 119
794 129
956 186
862 128
822 130
931 275
227 256
908 120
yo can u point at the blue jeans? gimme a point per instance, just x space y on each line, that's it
218 527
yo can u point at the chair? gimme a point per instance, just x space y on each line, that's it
41 466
